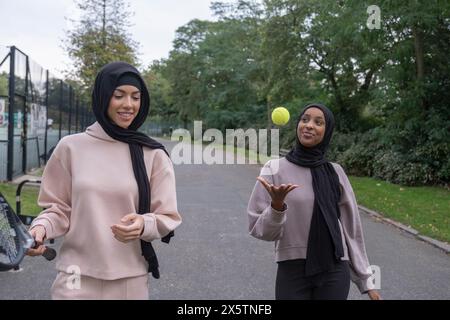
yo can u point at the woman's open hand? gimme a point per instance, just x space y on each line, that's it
277 193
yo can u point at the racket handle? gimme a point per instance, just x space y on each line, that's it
49 254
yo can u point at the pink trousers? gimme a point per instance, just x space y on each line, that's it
69 287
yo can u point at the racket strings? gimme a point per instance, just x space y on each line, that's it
9 240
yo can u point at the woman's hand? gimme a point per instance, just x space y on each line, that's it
131 228
277 193
38 233
374 295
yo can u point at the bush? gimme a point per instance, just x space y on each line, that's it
355 152
340 142
394 167
399 157
371 156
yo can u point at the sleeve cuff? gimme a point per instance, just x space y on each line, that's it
47 226
149 226
365 285
278 216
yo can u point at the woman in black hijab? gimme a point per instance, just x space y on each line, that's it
318 238
124 129
109 191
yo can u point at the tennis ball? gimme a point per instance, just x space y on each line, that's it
280 116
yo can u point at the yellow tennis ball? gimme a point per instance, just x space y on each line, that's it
280 116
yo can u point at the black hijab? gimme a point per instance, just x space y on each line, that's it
108 79
324 241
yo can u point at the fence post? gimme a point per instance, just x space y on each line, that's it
70 108
12 89
76 114
83 116
46 117
24 141
61 92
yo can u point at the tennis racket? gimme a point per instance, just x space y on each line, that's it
15 239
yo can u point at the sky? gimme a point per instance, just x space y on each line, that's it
37 27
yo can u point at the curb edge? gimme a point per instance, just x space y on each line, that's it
436 243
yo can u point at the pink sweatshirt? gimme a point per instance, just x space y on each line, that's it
87 186
290 228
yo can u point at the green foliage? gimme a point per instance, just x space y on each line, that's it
388 88
161 102
4 84
98 38
372 155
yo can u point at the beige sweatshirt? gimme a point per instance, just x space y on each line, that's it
87 186
290 228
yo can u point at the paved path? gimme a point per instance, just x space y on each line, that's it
213 257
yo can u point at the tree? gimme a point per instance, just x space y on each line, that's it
161 102
313 46
214 70
389 88
184 70
99 37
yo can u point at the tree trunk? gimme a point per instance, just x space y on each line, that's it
420 65
104 24
418 48
337 93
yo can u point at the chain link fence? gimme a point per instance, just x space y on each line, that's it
36 110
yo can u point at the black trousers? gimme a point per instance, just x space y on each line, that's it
292 284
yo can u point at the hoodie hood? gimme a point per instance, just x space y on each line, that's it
95 130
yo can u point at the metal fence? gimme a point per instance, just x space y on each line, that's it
36 111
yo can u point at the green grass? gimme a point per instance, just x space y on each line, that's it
426 209
28 198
